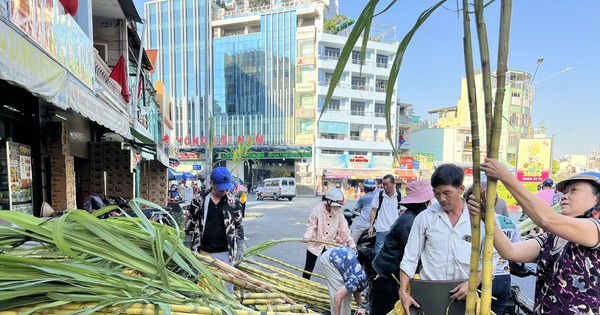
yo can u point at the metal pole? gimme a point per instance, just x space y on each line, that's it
138 70
208 104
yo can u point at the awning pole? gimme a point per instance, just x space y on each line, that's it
137 73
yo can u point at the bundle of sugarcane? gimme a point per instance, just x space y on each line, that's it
527 225
110 263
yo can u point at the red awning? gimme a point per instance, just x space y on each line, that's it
407 175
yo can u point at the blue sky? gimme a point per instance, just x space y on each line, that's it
565 33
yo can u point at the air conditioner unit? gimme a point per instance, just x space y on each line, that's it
217 32
230 5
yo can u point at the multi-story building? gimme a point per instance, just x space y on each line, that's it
352 140
271 61
516 122
178 30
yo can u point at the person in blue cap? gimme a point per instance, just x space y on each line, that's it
216 215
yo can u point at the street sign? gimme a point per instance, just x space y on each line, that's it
197 167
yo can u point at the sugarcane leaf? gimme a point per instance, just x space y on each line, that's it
395 68
357 30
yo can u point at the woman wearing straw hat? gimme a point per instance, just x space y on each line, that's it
568 252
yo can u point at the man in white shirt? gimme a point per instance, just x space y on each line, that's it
440 237
384 212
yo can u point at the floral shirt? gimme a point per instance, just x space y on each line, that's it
323 225
568 277
346 261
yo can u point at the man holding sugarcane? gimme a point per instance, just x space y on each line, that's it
440 238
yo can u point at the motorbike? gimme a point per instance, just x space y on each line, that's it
364 240
518 303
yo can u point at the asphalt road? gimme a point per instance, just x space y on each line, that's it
269 219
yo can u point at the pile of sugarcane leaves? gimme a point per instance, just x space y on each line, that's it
79 264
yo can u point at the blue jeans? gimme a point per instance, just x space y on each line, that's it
379 239
500 291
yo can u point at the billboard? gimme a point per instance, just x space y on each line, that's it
534 160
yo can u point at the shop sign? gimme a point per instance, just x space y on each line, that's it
197 167
223 140
24 64
306 61
270 155
406 162
358 161
305 112
304 139
47 24
305 87
305 32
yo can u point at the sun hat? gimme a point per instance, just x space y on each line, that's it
592 177
221 178
418 191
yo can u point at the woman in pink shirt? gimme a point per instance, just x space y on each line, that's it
326 223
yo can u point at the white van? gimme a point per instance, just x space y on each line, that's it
282 187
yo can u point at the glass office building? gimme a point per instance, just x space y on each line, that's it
179 31
254 78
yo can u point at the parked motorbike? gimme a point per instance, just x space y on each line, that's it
518 303
364 240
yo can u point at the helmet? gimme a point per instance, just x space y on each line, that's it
370 184
173 187
590 177
334 195
548 182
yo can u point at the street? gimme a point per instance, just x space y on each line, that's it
268 219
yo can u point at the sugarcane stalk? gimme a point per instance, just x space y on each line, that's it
475 221
259 295
262 301
488 250
281 272
282 308
238 273
288 265
263 246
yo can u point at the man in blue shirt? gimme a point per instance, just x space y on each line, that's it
363 207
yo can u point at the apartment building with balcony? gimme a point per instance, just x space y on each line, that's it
351 138
455 122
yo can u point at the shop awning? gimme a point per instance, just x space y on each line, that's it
359 174
407 175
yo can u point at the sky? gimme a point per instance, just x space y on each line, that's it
565 33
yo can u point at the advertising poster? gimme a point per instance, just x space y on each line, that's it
534 160
18 167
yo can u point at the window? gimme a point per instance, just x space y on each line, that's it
328 77
380 153
357 108
513 141
381 85
379 110
382 61
358 83
284 182
357 152
334 105
516 99
514 119
356 57
332 53
354 135
291 182
332 152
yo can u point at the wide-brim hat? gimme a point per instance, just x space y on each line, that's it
592 177
418 191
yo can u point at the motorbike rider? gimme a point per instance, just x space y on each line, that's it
363 207
547 191
174 193
326 223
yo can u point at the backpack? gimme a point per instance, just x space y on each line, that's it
398 195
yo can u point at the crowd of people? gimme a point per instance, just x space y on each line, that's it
425 237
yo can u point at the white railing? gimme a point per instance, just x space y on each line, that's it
107 86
